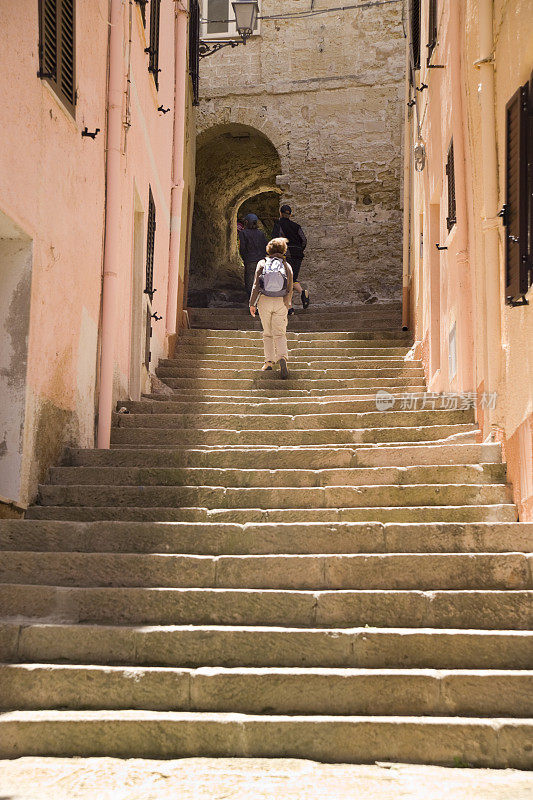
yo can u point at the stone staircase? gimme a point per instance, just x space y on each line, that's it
274 568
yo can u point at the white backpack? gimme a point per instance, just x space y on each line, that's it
274 277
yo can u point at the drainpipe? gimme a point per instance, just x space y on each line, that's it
462 265
112 224
491 222
406 195
181 77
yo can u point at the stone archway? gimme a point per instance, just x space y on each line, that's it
234 163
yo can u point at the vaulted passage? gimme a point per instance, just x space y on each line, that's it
233 164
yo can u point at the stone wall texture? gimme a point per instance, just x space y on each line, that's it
312 107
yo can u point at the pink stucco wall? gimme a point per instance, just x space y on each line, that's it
52 186
449 288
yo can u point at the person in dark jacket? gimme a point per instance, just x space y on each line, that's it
297 242
252 247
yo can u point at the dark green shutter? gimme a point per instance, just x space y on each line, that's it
432 27
517 209
194 49
415 33
150 246
57 48
451 219
153 50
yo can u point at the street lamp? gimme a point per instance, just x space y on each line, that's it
246 13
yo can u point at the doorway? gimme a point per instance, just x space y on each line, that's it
16 260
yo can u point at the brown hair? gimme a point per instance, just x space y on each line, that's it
277 247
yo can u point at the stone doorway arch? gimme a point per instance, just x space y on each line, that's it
235 164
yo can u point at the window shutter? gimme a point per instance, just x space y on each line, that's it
415 33
142 8
450 172
530 178
432 27
150 244
516 196
194 50
153 50
57 48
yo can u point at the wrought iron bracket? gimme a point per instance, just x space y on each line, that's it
90 134
208 48
421 88
156 316
514 303
441 247
163 110
436 66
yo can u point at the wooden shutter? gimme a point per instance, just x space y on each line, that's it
415 33
153 50
57 48
142 8
530 179
450 172
194 50
150 245
516 216
432 27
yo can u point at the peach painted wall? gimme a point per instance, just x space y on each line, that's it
458 295
52 186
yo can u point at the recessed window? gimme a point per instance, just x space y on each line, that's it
219 20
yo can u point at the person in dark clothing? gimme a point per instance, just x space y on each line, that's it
297 242
252 247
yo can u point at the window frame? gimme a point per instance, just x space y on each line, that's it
55 79
151 227
232 29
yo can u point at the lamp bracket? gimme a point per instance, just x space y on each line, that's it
210 47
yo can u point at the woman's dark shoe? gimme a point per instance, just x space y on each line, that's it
283 368
266 366
291 311
305 298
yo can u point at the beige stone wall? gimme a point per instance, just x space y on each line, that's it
327 91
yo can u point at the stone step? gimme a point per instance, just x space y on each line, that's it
465 609
273 383
262 406
288 690
262 538
395 338
208 314
232 646
192 436
255 478
296 373
254 349
186 388
291 457
366 420
481 742
297 362
344 572
274 497
499 512
306 323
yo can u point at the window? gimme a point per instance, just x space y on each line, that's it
221 20
150 245
194 49
142 8
451 219
57 48
517 212
153 50
432 27
415 34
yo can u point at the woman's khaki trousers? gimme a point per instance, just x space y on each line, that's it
273 313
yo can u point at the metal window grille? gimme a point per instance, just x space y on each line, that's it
432 27
516 212
142 8
153 50
194 49
57 48
150 246
451 219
